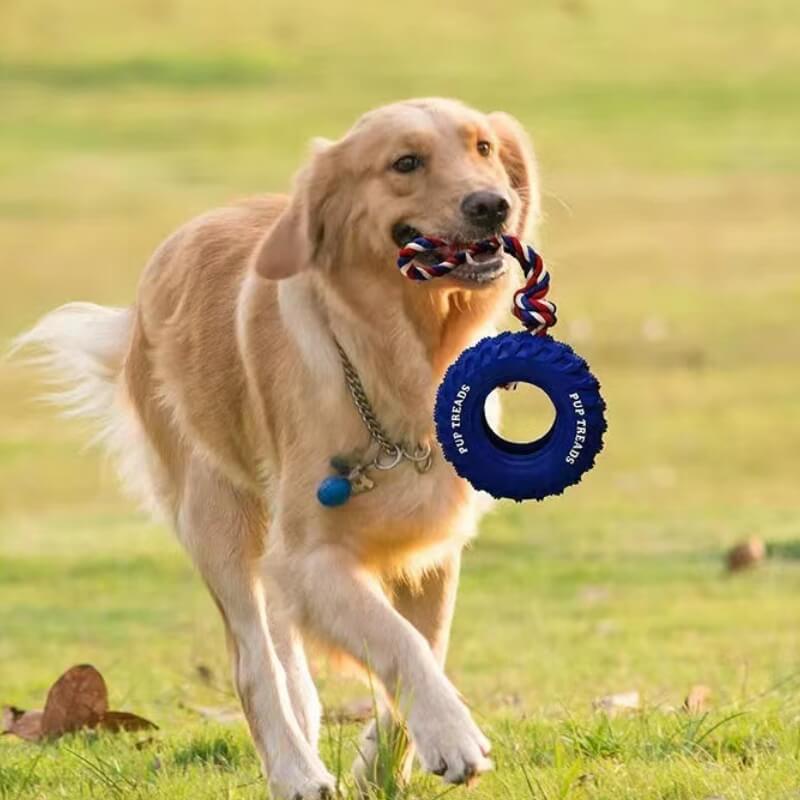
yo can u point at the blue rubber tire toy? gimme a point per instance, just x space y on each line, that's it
520 471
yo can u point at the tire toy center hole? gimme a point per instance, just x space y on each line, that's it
528 413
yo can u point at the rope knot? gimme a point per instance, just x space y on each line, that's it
530 307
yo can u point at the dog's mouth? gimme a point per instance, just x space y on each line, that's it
480 268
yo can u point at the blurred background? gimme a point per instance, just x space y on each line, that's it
667 134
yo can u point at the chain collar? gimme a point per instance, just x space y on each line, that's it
390 453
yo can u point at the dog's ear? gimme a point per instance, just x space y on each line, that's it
293 242
516 153
284 249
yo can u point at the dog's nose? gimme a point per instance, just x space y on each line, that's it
485 209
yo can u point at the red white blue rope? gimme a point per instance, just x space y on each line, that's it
530 306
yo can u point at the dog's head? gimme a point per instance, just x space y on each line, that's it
422 167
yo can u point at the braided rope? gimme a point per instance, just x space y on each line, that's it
530 306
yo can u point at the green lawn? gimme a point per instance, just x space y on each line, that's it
668 136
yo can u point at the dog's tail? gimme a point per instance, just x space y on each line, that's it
81 349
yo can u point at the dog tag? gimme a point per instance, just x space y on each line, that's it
360 481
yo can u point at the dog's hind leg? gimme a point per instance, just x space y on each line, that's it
223 529
428 605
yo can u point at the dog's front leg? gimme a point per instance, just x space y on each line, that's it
221 528
428 605
345 604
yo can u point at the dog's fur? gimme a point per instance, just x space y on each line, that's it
222 393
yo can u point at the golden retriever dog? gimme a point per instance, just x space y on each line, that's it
222 393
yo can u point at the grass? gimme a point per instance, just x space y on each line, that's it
667 136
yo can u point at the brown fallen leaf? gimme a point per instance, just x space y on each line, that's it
205 674
25 724
613 704
116 721
696 701
746 554
76 701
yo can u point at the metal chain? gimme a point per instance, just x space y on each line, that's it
362 404
420 457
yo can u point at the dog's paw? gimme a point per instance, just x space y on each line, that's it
294 782
317 791
450 744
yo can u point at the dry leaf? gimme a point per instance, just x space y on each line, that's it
696 701
615 703
746 554
116 721
205 674
78 699
25 724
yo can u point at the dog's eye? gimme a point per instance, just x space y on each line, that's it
484 148
407 163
